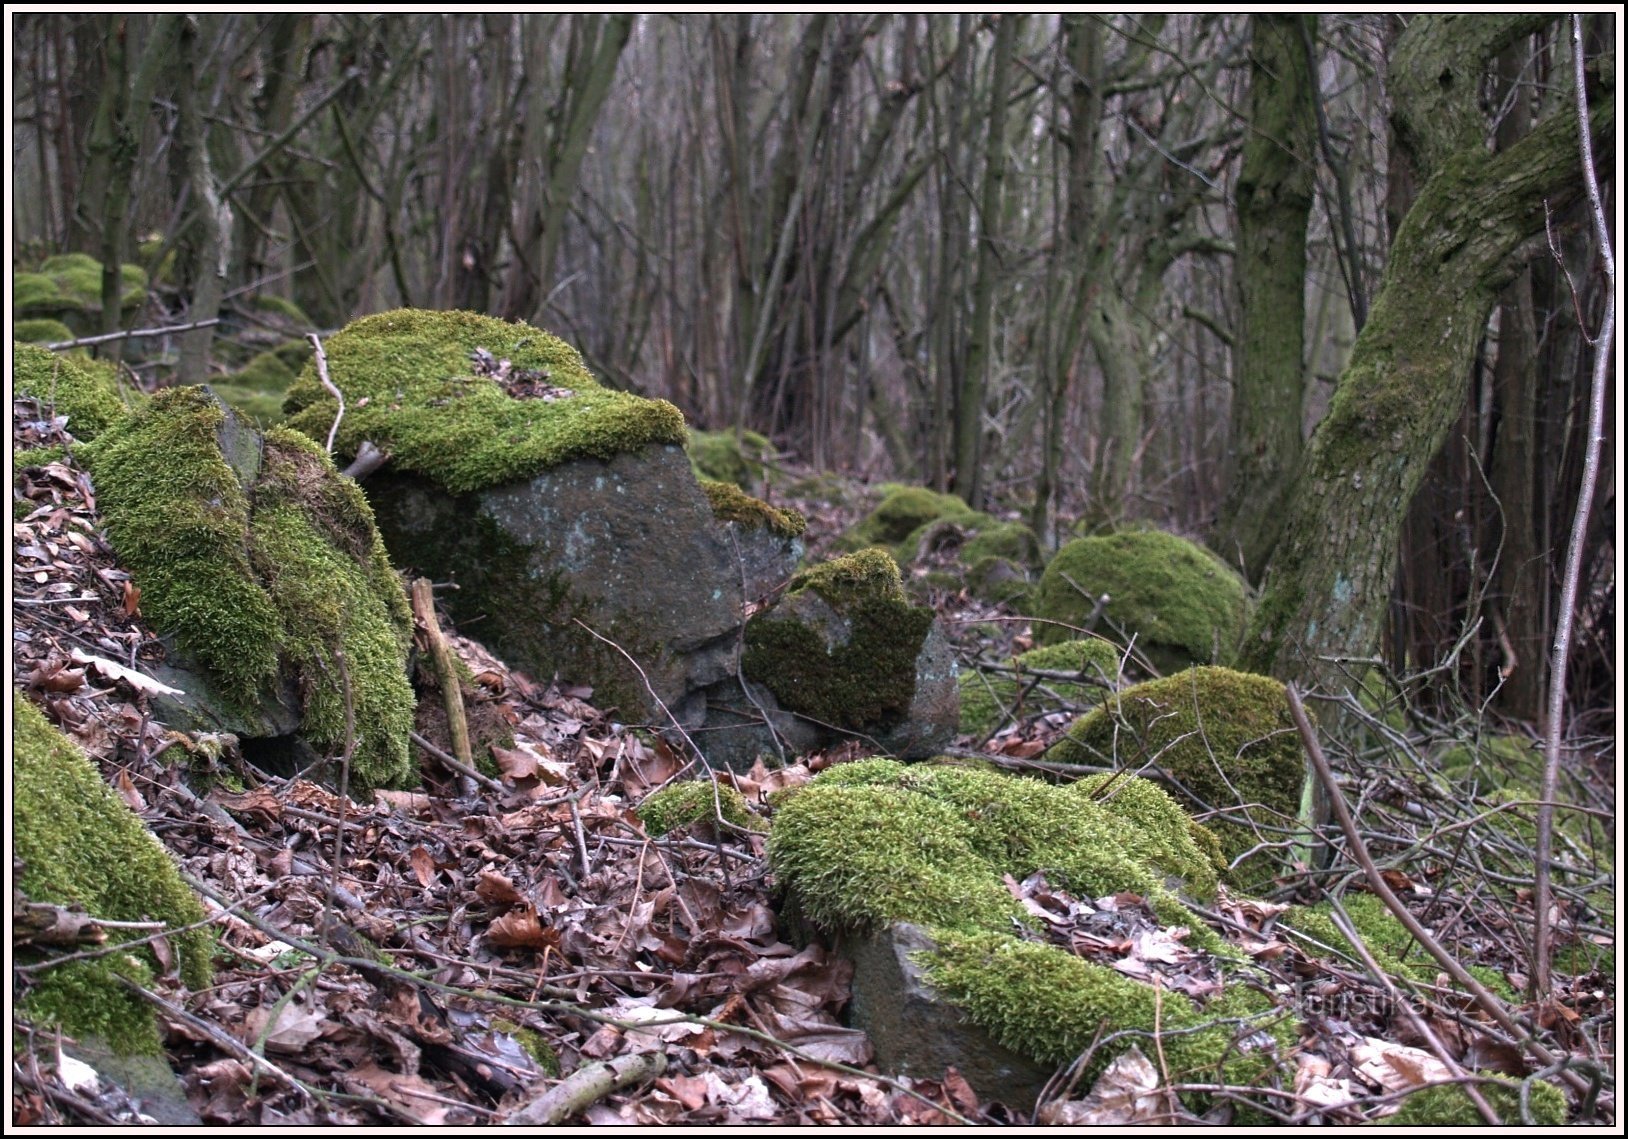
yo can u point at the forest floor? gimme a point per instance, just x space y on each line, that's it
481 940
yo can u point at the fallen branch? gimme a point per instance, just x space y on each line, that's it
129 333
1494 1007
322 374
446 676
586 1086
368 459
452 761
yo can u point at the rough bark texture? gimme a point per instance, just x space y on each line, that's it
1274 196
1327 586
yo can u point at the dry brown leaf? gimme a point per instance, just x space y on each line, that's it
140 681
496 890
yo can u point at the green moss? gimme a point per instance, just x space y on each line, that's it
986 699
1446 1105
1045 1002
862 682
70 262
86 391
266 371
81 845
283 307
1495 761
264 408
410 388
295 575
76 282
37 457
1181 603
33 291
693 801
1225 738
532 1041
719 455
41 331
902 511
1011 540
875 842
731 504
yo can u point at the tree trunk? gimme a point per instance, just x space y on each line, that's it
1327 585
214 215
1274 195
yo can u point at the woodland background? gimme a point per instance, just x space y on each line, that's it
1088 268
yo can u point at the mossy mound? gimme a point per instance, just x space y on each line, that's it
902 512
282 308
411 387
869 844
41 331
987 698
719 455
1446 1105
695 801
849 663
84 390
81 845
1224 738
259 388
1181 603
295 578
731 504
72 282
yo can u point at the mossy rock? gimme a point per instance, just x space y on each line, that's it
258 389
81 845
731 504
1446 1105
694 801
72 282
281 307
866 846
845 648
86 391
902 512
1182 604
411 388
720 456
263 564
986 699
41 331
1224 738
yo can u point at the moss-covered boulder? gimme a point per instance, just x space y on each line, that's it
845 650
721 456
41 331
1223 739
258 389
68 288
869 850
1073 674
1182 604
84 390
567 514
80 845
902 511
264 566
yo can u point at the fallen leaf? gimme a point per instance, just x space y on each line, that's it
140 681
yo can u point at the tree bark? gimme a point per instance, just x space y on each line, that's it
1274 195
1327 585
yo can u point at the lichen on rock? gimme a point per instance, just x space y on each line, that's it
416 387
1223 738
81 845
1182 604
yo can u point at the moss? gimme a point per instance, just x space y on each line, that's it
410 388
86 391
721 456
1182 603
862 681
532 1041
283 307
902 511
731 504
1495 761
875 842
244 586
264 408
32 291
985 699
1446 1105
36 457
1224 737
266 371
70 262
1045 1002
694 801
41 331
76 282
81 845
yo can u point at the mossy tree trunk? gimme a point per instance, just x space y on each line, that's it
1274 195
1327 585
